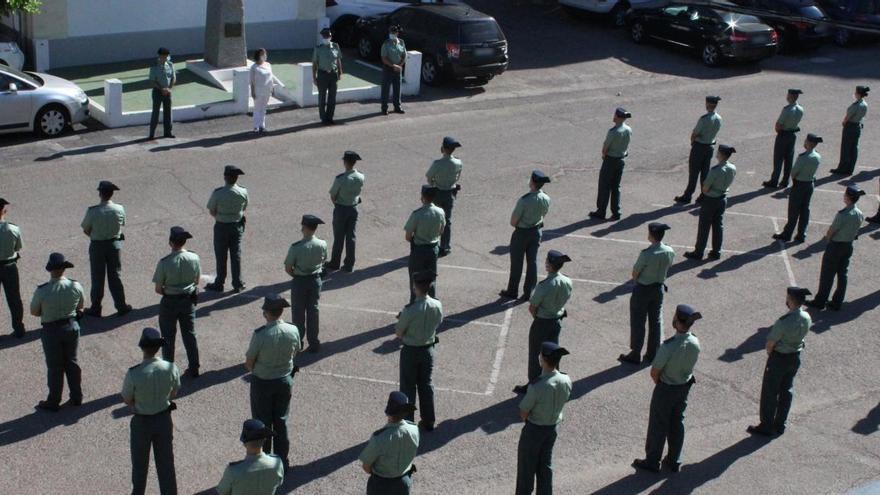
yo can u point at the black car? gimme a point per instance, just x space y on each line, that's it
863 12
717 34
799 23
456 41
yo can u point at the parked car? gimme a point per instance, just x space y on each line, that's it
343 14
615 9
785 19
866 12
717 34
10 53
31 101
456 41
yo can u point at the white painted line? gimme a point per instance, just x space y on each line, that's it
500 272
384 382
394 313
645 243
785 259
755 215
499 352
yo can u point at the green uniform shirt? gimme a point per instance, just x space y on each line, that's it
325 57
392 449
426 224
178 273
57 299
857 111
546 398
805 166
676 358
719 179
259 474
790 117
530 209
150 385
789 331
163 73
550 295
846 224
272 348
10 241
229 202
307 256
653 264
346 188
419 321
444 173
617 141
707 128
104 221
394 51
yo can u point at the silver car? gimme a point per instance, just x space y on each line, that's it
31 101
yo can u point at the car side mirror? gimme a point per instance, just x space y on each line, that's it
12 88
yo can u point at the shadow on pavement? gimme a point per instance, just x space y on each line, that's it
754 343
637 219
298 476
39 422
341 280
590 383
852 310
500 250
610 295
737 261
567 229
870 424
98 148
477 313
814 248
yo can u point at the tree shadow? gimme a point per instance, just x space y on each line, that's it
870 424
740 260
637 219
754 343
39 422
610 295
824 320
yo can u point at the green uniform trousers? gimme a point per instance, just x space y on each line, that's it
541 330
646 303
798 208
157 433
524 244
835 263
777 390
699 161
666 422
344 234
390 81
327 85
60 343
534 459
104 259
305 294
227 243
270 403
163 101
711 218
416 376
422 257
378 485
783 156
446 200
10 282
179 310
610 176
849 147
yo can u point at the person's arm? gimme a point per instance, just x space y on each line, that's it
655 374
410 228
225 485
778 126
533 310
82 297
339 67
528 403
315 66
173 78
175 382
212 205
253 350
660 360
707 184
154 77
128 391
638 267
517 214
402 324
198 277
368 468
607 144
37 304
833 228
369 456
159 279
87 223
334 190
253 81
697 130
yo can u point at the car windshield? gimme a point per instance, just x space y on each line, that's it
811 12
480 32
21 75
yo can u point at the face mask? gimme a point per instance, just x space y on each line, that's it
262 58
325 41
392 37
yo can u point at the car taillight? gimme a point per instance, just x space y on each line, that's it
774 37
738 38
453 49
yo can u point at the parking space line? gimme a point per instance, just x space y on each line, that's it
645 243
785 259
384 382
394 313
499 352
500 272
755 215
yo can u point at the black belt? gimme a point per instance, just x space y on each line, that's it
433 244
563 316
170 408
9 262
854 123
531 228
791 131
308 276
408 473
719 198
540 426
347 206
436 341
120 238
178 296
327 71
704 144
786 354
841 242
59 323
688 384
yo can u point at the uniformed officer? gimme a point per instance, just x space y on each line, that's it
803 177
424 228
646 302
614 150
838 250
227 205
786 136
444 174
103 224
702 143
162 79
177 280
547 307
258 473
393 54
541 409
527 221
304 262
672 372
388 457
417 328
148 388
784 345
852 130
269 358
345 193
326 73
714 203
10 245
59 303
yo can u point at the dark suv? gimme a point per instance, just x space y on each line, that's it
456 41
799 23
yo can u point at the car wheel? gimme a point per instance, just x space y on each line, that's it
618 14
431 74
711 55
52 120
637 32
366 48
841 37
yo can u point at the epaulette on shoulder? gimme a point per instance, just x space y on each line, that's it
260 329
524 196
340 175
167 256
235 463
42 285
135 366
297 242
94 206
668 340
379 431
215 190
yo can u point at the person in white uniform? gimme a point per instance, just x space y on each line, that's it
262 86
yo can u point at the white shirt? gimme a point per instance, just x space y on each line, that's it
261 79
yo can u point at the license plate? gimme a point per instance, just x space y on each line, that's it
484 52
761 39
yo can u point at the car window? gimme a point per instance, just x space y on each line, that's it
674 11
4 82
811 12
21 75
403 17
480 32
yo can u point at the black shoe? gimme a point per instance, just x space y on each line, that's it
521 389
94 311
523 298
384 111
631 358
769 184
713 255
672 466
124 310
151 137
192 372
615 217
347 269
780 430
596 215
800 238
780 237
647 466
647 359
238 289
683 199
18 334
837 171
443 253
874 219
759 430
815 304
331 122
314 348
73 402
45 405
508 294
699 200
429 427
783 184
214 287
693 255
331 268
398 110
169 136
833 306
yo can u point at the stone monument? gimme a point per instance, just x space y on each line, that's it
224 34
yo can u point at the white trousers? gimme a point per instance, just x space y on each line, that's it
260 104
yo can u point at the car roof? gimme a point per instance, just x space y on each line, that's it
451 11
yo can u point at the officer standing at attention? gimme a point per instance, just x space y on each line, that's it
304 262
345 193
838 250
713 205
393 54
646 302
59 303
417 328
424 228
10 245
162 79
388 457
784 345
614 150
547 307
786 136
326 73
541 409
227 205
258 473
269 358
852 130
672 372
177 281
103 224
803 176
527 220
148 388
444 175
702 142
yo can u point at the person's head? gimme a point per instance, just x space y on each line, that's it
398 407
4 207
177 237
620 115
326 35
253 434
537 180
862 92
163 54
851 194
310 224
712 103
105 190
394 32
428 194
795 297
550 355
350 158
273 307
555 260
260 55
684 318
231 173
422 282
151 341
449 145
656 231
812 141
793 95
724 152
57 264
